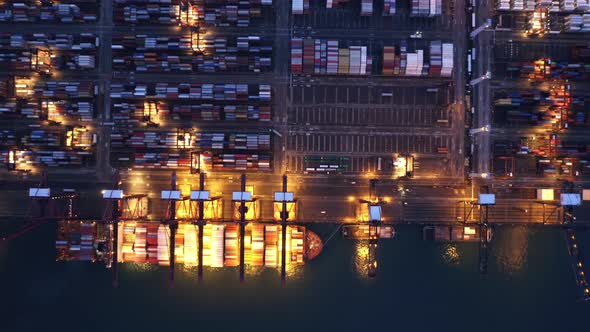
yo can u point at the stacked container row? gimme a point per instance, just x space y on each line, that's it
315 56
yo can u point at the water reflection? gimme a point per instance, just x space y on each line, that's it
140 267
511 249
450 254
360 260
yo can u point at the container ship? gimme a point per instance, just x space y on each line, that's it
149 243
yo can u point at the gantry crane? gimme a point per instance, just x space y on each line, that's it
172 196
120 207
45 206
485 201
202 197
243 198
111 217
374 209
287 204
569 199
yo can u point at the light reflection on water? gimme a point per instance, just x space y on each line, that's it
450 254
292 271
360 260
139 267
510 249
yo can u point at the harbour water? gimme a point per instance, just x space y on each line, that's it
420 286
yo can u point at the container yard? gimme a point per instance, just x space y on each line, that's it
208 54
216 151
51 121
163 102
537 17
193 12
72 11
42 52
541 105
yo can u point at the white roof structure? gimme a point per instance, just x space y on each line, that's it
570 199
241 196
112 194
487 199
200 195
39 192
284 196
171 194
374 212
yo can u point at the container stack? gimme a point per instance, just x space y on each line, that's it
257 252
389 7
435 58
367 7
85 61
297 242
334 3
217 245
238 162
324 57
332 56
567 5
447 60
55 89
163 252
573 23
231 245
308 56
140 245
146 13
288 252
128 235
47 12
190 246
270 246
540 3
41 138
191 101
7 138
16 60
388 60
296 55
426 8
222 13
147 54
403 57
87 231
503 5
517 5
583 5
412 68
300 7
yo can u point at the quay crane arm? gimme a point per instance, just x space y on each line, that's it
45 206
485 25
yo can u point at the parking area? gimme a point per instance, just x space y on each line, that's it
347 16
379 116
368 144
428 95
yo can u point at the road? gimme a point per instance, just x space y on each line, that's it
482 100
458 118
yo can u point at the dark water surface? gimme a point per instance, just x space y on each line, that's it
420 287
